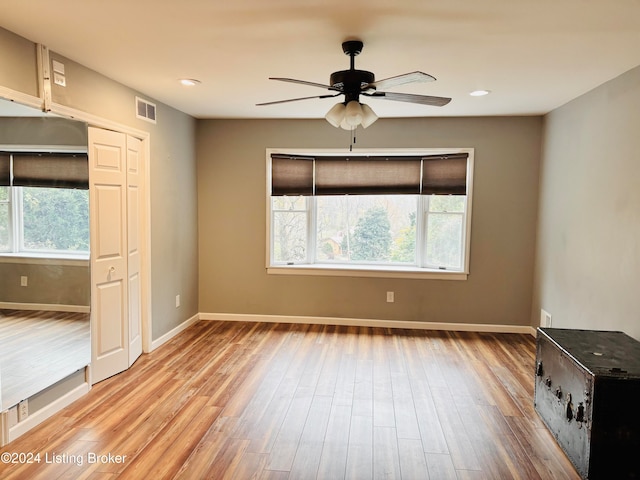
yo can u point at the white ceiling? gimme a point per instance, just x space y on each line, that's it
533 55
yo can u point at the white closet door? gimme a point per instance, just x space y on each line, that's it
109 297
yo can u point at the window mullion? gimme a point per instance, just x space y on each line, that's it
421 230
311 229
16 219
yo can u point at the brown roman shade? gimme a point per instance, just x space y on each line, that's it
291 175
5 169
367 175
444 174
51 170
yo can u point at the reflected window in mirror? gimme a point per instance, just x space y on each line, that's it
46 212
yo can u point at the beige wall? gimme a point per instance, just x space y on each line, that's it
47 283
41 131
18 67
174 261
588 254
231 201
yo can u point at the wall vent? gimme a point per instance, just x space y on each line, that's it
145 110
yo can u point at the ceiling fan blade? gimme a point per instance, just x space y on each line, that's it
410 98
413 77
297 99
304 82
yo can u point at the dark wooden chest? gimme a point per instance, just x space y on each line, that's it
587 392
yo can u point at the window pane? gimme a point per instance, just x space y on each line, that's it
289 236
366 228
403 249
332 223
444 240
289 203
4 219
55 219
447 203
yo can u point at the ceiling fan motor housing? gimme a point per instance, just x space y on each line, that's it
351 82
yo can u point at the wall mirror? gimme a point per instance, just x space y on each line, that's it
45 281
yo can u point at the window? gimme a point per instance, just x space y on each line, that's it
37 217
382 215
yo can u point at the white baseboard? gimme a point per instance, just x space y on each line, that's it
363 322
48 307
20 428
172 333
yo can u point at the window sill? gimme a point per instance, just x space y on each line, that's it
44 259
366 271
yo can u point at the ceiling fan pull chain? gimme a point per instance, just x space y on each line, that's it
353 138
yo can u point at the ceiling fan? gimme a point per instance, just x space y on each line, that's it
352 83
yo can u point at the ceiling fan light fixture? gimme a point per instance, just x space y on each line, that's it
368 115
335 116
353 113
345 126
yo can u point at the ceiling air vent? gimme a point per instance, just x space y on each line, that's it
145 110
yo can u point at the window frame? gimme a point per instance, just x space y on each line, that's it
370 270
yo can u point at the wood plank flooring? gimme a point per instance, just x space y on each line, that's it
271 401
39 348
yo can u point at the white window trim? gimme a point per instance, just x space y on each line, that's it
383 271
45 259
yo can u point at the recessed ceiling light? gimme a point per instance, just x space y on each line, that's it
480 93
189 82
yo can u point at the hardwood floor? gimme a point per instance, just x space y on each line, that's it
272 401
38 348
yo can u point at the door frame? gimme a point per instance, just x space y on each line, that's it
145 208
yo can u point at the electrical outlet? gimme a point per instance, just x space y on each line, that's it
177 301
24 281
390 297
545 319
59 79
23 410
